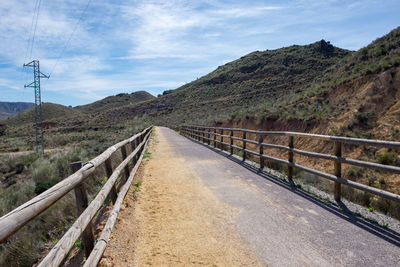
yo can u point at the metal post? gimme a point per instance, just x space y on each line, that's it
81 204
290 168
338 170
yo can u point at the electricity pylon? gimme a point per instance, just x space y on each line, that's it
38 103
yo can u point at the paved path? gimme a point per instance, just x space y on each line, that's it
285 227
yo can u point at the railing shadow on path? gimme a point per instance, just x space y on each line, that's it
338 209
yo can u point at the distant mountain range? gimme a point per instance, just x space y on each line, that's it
9 109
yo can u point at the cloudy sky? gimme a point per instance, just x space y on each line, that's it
125 46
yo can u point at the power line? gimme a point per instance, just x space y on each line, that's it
34 31
31 30
70 37
24 73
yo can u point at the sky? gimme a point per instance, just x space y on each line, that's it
96 48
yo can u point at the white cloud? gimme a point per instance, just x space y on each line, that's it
178 29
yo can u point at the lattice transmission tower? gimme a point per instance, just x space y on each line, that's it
38 104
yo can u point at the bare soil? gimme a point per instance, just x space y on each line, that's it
176 220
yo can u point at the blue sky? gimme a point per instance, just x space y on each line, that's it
126 46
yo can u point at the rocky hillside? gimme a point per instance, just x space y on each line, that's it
299 83
9 109
256 80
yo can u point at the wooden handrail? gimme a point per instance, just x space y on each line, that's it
64 245
349 140
16 219
337 158
100 246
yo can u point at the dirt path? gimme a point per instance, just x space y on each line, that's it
177 220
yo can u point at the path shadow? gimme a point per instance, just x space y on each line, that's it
338 209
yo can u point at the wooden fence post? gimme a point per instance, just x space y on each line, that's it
221 139
231 142
109 171
260 141
338 170
244 145
290 168
81 204
133 147
209 136
126 169
215 137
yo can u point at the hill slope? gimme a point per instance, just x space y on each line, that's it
257 79
116 101
9 109
274 85
50 111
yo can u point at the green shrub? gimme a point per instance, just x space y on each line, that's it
388 158
43 171
371 179
354 172
14 196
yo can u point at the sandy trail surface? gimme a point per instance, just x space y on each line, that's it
177 220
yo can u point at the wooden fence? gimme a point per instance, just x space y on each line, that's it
16 219
209 135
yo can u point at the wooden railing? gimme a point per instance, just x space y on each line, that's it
16 219
210 134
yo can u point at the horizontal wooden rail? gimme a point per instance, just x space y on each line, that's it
64 245
101 244
195 131
16 219
349 140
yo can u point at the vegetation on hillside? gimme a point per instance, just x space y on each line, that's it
26 176
50 111
119 100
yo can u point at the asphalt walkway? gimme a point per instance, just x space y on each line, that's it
286 226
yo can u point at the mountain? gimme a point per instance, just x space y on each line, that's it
115 101
252 82
9 109
310 84
50 111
